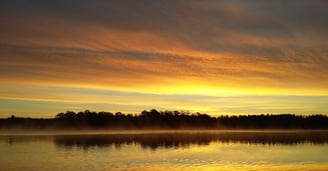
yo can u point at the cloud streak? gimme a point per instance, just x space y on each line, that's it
212 48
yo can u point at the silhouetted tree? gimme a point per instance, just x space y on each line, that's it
168 120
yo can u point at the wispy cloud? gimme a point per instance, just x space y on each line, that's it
214 48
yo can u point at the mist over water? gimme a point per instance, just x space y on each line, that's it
163 150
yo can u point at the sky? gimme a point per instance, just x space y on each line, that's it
218 57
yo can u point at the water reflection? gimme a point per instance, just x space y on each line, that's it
182 140
13 139
206 150
174 140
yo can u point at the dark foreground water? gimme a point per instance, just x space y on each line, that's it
181 150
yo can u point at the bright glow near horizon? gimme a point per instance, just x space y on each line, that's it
216 57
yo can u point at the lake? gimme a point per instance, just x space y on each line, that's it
165 150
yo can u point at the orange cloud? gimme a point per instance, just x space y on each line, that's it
213 49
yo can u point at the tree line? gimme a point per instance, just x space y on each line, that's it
154 119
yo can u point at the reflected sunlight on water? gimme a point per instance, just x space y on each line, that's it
167 151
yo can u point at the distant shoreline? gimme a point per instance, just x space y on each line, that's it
164 120
148 131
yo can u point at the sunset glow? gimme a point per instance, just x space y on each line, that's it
216 57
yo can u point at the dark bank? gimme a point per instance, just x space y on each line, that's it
154 119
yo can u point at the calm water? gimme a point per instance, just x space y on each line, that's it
184 150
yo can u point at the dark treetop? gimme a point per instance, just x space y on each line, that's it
154 119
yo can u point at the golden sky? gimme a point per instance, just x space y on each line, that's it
217 57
